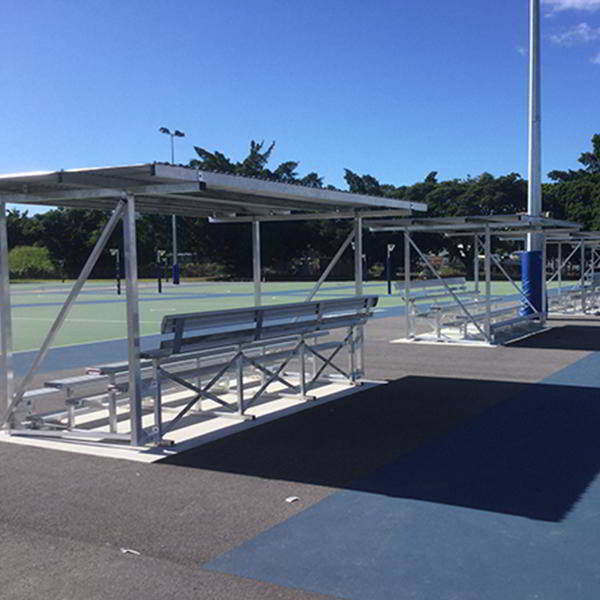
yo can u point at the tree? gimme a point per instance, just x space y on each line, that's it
22 230
30 261
591 160
362 184
576 194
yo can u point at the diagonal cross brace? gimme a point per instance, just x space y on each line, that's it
64 311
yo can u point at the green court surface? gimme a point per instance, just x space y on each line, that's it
100 314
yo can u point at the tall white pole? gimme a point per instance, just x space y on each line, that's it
534 189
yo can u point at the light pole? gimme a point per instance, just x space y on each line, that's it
172 135
160 255
388 267
534 191
532 269
115 252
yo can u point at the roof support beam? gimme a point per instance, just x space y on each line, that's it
366 214
51 196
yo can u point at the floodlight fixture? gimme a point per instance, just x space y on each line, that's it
178 133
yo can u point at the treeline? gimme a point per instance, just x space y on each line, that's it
63 238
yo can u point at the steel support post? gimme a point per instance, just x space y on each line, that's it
559 268
175 253
133 324
582 278
488 283
409 333
64 311
256 267
358 283
358 256
544 298
6 364
476 261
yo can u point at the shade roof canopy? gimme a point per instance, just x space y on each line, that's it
171 189
574 237
497 224
562 236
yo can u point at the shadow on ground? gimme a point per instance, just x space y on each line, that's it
512 448
565 337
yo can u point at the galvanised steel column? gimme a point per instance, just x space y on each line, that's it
175 274
488 283
256 266
359 333
476 261
358 256
559 267
133 323
544 290
582 279
6 365
407 280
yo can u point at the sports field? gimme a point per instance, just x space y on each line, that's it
100 314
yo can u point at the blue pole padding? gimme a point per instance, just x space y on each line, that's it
176 274
531 278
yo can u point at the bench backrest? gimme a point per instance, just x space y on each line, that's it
427 284
423 289
195 331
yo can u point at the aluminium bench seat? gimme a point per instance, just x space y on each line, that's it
496 318
263 340
434 300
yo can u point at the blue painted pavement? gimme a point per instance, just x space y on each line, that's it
506 506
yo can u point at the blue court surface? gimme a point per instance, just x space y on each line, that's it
505 507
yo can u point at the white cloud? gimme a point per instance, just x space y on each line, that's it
560 5
578 34
596 59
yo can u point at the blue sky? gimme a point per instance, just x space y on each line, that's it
393 89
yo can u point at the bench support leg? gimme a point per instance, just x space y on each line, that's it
112 405
157 399
70 410
302 358
351 356
239 376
